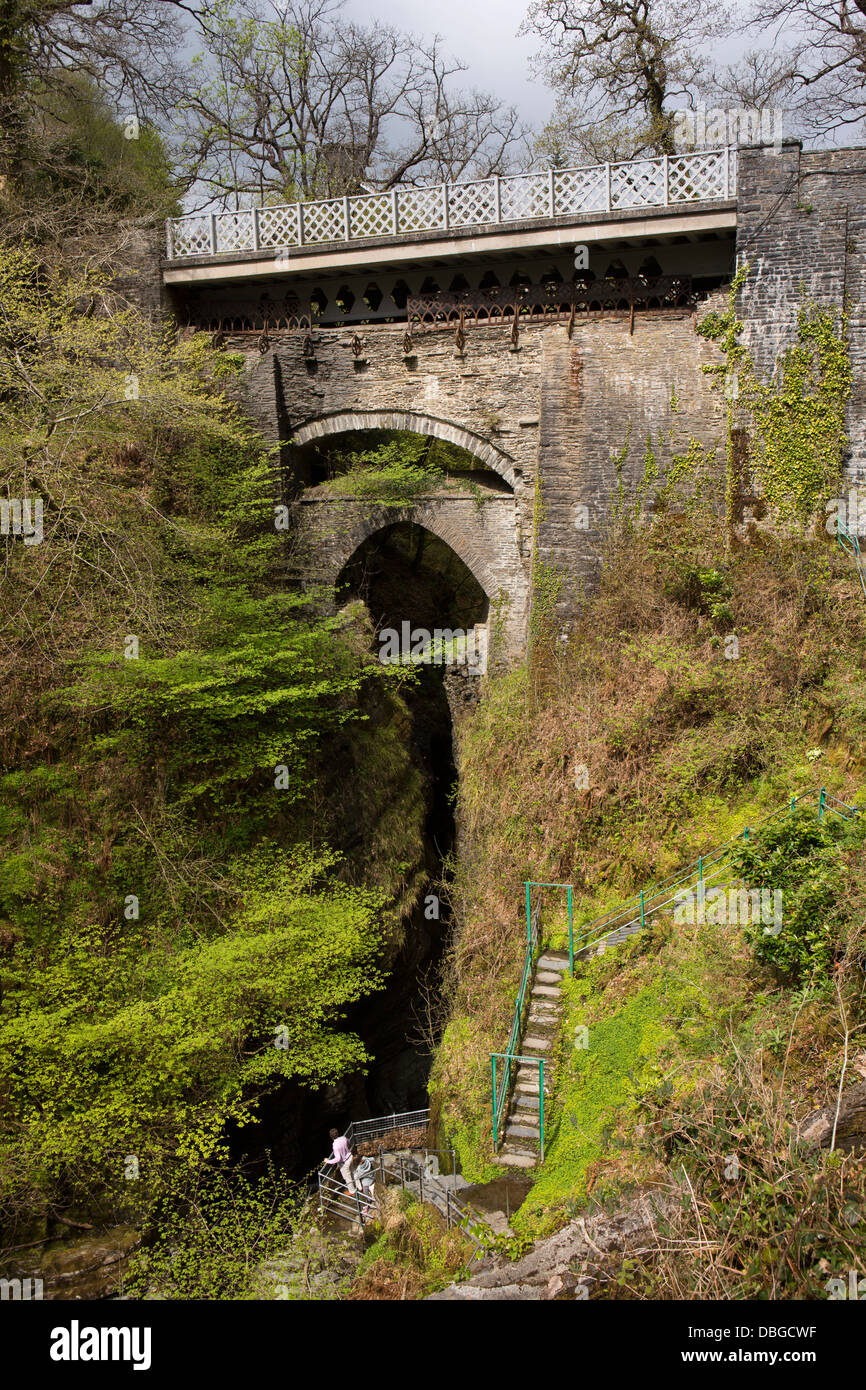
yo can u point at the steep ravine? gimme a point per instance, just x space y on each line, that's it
294 1121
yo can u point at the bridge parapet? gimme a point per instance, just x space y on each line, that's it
401 213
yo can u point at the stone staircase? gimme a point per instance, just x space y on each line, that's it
521 1148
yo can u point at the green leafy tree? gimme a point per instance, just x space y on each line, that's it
171 946
803 857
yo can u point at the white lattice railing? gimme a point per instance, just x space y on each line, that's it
706 176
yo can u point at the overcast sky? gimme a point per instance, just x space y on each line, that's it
482 34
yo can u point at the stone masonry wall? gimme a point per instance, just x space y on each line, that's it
481 531
556 410
606 393
802 228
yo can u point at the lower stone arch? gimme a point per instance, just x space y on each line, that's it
347 422
430 519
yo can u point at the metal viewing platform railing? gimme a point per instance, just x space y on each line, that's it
387 1140
705 176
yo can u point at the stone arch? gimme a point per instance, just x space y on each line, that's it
346 422
431 517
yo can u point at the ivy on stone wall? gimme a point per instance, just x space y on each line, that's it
799 439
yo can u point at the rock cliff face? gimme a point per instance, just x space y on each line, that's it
89 1267
573 1263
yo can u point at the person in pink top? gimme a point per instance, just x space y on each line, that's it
342 1155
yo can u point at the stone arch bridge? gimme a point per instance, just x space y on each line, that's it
470 324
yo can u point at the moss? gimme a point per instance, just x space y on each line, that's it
684 748
594 1088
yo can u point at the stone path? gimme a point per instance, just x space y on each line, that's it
521 1148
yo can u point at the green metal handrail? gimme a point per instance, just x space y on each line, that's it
535 1061
851 545
627 919
569 887
501 1092
633 913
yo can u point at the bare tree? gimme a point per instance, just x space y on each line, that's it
812 56
762 78
617 66
293 100
127 48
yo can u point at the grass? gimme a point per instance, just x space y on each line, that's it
684 748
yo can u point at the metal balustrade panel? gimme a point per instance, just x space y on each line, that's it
705 175
471 204
191 235
420 209
324 221
278 226
372 215
697 177
638 184
580 190
234 231
525 195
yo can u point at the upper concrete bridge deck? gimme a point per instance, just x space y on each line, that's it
677 197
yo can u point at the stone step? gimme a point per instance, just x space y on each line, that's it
547 977
519 1147
521 1131
548 962
523 1115
516 1160
545 992
535 1044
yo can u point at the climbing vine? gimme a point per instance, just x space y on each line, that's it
798 415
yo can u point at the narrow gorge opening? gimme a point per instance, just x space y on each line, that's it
403 574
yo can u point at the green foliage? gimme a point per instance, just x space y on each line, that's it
798 415
704 589
395 474
115 1043
172 946
414 1251
88 150
400 469
210 1241
803 857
